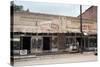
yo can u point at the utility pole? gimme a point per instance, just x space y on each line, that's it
81 18
81 45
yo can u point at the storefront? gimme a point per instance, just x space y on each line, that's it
69 42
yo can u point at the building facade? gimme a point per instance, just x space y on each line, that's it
90 13
39 33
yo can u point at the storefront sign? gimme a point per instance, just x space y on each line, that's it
23 52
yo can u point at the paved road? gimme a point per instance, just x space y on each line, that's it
52 59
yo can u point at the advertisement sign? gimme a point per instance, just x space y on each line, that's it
23 52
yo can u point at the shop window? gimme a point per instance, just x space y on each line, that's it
36 43
39 43
16 43
54 42
92 42
71 42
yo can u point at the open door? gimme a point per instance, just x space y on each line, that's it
46 43
26 43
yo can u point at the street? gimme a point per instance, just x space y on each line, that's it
53 59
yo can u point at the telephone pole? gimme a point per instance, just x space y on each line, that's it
81 45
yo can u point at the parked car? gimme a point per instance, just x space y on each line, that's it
73 47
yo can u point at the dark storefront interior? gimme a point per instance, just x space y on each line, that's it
46 43
26 43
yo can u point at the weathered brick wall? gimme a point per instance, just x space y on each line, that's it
90 13
41 23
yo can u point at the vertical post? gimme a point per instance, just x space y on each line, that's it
81 18
11 34
36 34
81 45
31 45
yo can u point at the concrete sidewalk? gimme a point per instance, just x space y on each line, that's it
53 59
35 56
23 57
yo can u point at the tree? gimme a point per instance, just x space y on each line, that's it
18 8
15 7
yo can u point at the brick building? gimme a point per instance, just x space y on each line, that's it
90 13
39 33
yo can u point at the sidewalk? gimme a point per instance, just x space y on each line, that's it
35 56
53 59
24 56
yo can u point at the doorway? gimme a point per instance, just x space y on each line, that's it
46 43
81 43
26 44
